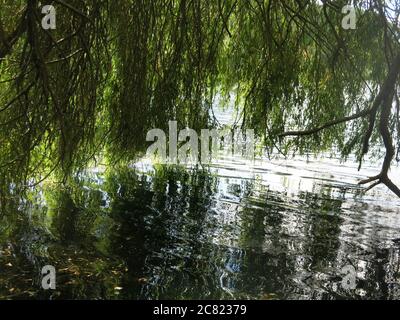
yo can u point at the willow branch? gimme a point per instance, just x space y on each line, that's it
357 115
386 89
383 177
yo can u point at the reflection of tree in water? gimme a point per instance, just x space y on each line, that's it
186 256
186 234
161 225
22 249
59 234
322 232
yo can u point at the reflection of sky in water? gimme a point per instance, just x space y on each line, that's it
301 175
304 194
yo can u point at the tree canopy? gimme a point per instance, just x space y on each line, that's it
112 70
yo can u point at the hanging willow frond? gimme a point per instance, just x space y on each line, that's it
112 70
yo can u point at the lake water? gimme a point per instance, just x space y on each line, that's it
272 229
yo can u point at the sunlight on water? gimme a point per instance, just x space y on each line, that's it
306 195
272 228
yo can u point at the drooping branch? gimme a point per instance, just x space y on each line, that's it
385 91
384 100
383 177
357 115
386 88
166 61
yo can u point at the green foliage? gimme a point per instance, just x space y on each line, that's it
112 70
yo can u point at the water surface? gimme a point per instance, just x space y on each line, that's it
273 229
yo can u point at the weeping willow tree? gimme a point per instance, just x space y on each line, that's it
112 70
